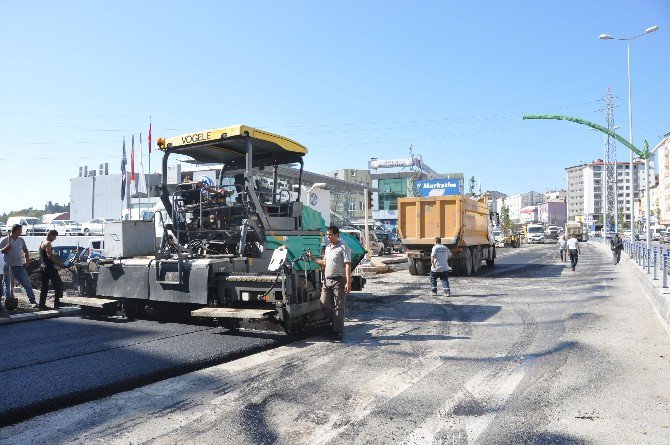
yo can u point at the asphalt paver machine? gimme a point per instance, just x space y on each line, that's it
240 255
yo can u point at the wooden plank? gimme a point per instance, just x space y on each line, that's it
86 301
253 278
227 312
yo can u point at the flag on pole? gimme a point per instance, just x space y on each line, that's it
123 171
141 181
132 160
149 138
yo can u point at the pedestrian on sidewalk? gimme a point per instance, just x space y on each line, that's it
439 267
616 244
563 247
48 271
337 284
16 254
575 250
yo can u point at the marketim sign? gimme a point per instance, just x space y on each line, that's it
439 187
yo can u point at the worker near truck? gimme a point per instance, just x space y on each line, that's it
337 261
562 247
574 249
439 267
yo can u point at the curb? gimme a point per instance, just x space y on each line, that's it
658 297
393 260
39 315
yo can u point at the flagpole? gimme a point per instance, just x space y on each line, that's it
141 173
149 143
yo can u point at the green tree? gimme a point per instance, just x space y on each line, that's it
471 186
506 221
657 211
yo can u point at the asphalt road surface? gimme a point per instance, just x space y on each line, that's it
58 362
526 352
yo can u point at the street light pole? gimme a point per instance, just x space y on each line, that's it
632 163
630 129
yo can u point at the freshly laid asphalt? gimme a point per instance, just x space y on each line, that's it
50 364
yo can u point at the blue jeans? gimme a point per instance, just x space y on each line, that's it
21 276
443 276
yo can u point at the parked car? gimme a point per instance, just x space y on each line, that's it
65 227
31 225
397 243
665 237
376 247
385 238
96 226
68 254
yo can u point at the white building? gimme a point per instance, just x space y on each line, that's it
516 202
556 194
664 178
528 214
586 184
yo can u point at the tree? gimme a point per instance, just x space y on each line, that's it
506 221
657 211
471 186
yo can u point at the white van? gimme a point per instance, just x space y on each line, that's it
656 231
31 225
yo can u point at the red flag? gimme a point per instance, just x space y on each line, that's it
149 134
132 161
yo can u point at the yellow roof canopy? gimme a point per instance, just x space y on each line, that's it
227 145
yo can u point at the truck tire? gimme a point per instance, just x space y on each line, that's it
466 263
490 263
476 259
422 267
412 266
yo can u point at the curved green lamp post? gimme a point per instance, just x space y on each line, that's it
643 154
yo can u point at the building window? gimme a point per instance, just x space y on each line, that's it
352 206
389 191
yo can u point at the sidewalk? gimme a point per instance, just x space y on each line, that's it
658 296
25 312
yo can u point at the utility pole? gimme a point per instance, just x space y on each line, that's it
610 207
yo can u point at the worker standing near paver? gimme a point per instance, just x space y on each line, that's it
49 272
337 261
16 255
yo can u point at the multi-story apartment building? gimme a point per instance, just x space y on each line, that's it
516 202
586 184
663 148
552 211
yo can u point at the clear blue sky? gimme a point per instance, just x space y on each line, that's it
350 80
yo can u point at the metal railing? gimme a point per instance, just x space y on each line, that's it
655 260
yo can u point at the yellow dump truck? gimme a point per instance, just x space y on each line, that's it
464 224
